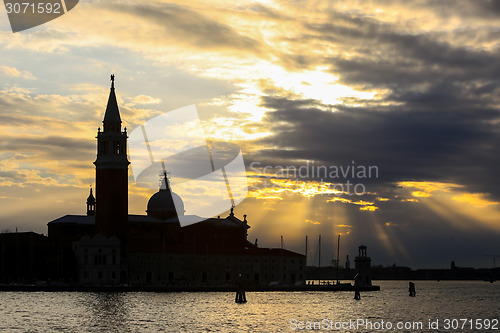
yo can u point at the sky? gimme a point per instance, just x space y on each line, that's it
405 94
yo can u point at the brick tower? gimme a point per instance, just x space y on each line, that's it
111 168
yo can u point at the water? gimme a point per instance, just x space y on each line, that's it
264 312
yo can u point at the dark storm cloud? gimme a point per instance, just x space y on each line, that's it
13 175
447 8
50 147
16 120
192 27
405 145
444 145
438 120
383 56
465 8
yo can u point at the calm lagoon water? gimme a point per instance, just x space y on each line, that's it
264 312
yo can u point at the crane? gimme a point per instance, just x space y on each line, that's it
494 256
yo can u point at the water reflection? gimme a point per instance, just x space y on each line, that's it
265 311
107 312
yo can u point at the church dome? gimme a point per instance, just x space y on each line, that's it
165 204
167 201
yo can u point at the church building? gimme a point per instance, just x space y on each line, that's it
109 246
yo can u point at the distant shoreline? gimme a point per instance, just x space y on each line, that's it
76 288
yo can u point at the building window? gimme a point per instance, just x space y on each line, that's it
116 147
99 259
104 147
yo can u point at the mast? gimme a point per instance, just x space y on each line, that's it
338 253
319 251
306 250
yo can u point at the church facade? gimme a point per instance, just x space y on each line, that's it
108 246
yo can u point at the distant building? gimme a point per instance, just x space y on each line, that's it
363 267
107 246
24 257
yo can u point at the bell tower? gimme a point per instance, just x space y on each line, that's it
111 168
91 204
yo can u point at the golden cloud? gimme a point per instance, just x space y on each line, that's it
475 199
14 72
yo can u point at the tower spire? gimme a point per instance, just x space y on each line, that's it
112 120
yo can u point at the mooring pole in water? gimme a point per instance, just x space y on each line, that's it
240 296
411 289
357 294
240 293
